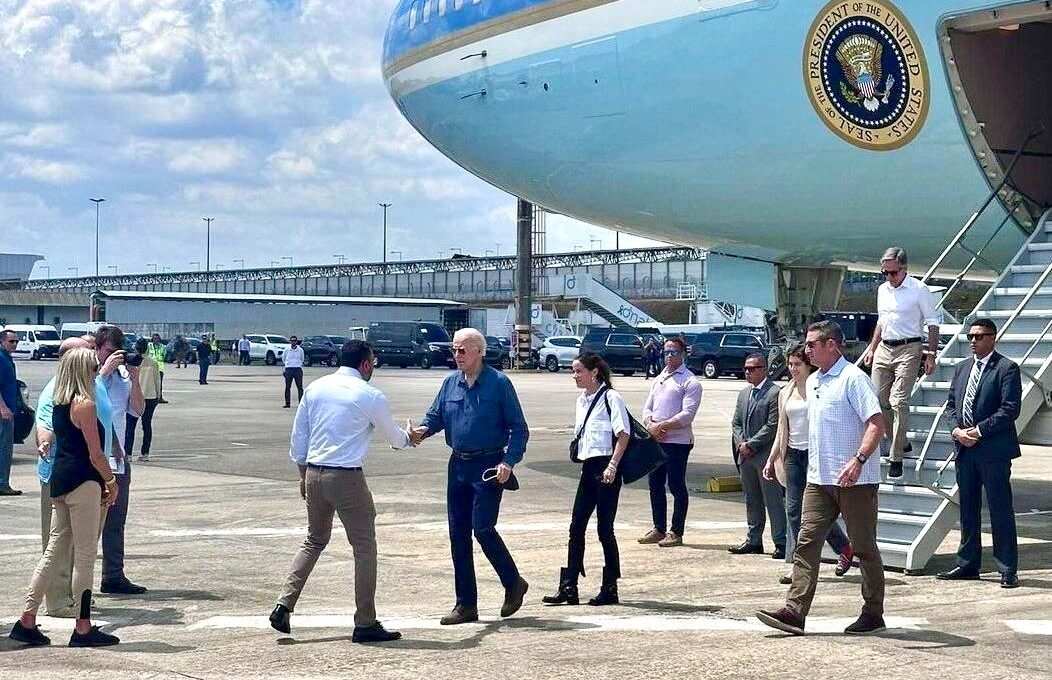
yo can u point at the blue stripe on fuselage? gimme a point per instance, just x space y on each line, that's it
400 39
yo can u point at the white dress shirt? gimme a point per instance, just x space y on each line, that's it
294 357
978 367
597 439
336 419
839 402
904 311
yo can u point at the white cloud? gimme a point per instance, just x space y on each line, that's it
41 170
207 157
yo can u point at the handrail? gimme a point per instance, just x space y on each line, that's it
1026 300
976 256
986 204
929 439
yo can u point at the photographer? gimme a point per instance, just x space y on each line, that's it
119 374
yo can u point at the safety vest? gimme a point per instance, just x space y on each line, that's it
156 352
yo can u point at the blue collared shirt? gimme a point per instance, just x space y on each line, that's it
46 410
485 416
8 380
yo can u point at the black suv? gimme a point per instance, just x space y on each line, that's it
621 349
322 349
498 355
724 352
410 343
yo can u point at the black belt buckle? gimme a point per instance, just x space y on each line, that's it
903 341
480 453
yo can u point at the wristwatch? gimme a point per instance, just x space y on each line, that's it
861 459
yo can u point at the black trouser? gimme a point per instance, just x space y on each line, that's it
674 472
243 359
293 374
147 429
594 495
974 473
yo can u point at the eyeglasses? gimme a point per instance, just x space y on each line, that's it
750 369
890 273
977 336
672 352
459 350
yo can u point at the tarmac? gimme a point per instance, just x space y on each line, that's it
216 518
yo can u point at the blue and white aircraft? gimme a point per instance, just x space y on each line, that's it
797 131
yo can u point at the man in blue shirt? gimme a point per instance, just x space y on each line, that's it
8 408
479 410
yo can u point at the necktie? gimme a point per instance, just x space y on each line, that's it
969 394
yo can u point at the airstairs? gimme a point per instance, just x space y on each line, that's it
919 509
600 299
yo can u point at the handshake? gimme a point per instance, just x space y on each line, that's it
415 434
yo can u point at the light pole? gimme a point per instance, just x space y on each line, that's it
593 240
208 242
397 252
197 263
154 265
113 267
97 201
219 266
76 272
274 263
165 269
459 251
341 259
287 258
497 251
48 268
385 206
242 263
488 252
577 248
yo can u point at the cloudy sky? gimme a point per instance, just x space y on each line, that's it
268 115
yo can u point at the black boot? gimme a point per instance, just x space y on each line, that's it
608 593
567 589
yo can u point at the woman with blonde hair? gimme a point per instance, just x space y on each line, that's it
788 461
82 485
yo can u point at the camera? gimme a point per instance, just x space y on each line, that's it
132 358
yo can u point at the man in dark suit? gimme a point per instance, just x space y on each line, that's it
982 407
753 429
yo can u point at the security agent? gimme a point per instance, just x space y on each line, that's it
983 405
330 440
479 410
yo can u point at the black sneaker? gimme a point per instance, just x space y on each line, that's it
895 469
29 636
93 638
8 491
865 625
122 586
374 633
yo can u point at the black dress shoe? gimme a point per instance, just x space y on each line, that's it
122 586
279 619
8 491
93 638
374 633
459 615
747 548
895 469
1009 580
958 574
513 598
29 636
779 553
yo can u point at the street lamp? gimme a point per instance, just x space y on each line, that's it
286 257
154 265
459 251
497 251
341 258
488 252
97 201
48 268
219 266
385 206
76 272
593 240
165 269
208 242
577 248
242 263
113 267
274 263
397 252
197 263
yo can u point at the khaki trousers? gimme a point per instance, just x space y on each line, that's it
894 373
58 595
822 505
76 520
342 492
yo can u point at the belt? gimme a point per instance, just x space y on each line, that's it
330 467
903 341
478 453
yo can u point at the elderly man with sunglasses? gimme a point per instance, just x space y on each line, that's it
905 306
479 410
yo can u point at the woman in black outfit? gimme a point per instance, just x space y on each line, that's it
602 438
81 486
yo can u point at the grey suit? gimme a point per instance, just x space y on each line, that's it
756 423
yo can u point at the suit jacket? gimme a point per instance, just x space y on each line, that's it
996 406
755 424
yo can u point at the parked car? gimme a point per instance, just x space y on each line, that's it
558 351
497 355
720 353
35 342
270 349
322 349
410 343
621 349
191 354
75 330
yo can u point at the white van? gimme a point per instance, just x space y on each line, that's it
75 330
36 342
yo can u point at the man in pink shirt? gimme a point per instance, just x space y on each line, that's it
668 415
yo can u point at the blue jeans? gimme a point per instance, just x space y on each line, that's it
472 506
673 472
795 481
203 372
7 450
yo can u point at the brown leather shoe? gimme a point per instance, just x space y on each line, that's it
671 540
513 598
652 536
459 615
784 619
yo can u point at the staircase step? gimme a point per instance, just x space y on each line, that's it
1034 362
909 499
898 527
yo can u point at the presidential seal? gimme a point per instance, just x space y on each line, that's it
866 74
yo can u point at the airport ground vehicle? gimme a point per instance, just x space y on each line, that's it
558 351
35 341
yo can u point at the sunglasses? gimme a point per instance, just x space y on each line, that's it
750 369
977 336
672 352
890 274
459 350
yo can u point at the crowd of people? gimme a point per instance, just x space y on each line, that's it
807 455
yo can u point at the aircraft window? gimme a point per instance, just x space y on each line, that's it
412 15
458 4
442 7
429 6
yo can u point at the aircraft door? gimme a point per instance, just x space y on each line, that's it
597 77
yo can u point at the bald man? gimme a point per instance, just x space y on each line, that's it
59 597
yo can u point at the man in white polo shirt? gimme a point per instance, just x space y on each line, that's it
294 359
905 306
845 425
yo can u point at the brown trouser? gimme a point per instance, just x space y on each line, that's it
342 492
77 520
822 505
894 373
57 592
